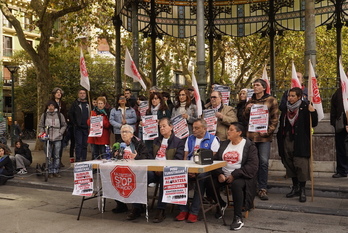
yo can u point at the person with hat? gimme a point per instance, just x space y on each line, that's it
263 140
53 123
57 95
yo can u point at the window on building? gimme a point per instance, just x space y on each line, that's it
28 23
5 22
8 47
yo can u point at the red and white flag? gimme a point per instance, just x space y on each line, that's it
344 85
196 91
313 92
127 184
131 70
265 78
84 80
295 82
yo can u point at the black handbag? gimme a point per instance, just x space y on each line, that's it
203 156
339 124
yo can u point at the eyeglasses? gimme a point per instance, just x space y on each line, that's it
123 132
213 97
122 98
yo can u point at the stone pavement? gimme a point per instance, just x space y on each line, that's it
330 195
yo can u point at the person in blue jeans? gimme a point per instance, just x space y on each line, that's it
263 140
78 115
199 139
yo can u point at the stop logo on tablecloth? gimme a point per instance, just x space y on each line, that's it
124 180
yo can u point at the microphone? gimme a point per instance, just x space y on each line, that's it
122 147
116 146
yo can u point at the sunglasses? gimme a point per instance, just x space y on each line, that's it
213 97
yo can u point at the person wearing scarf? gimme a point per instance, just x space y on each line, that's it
99 143
294 141
185 108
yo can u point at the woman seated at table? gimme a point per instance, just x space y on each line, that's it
135 149
166 147
240 173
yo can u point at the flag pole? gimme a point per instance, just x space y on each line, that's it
311 157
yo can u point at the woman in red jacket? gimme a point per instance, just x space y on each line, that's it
99 141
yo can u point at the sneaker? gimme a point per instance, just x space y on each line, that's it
152 185
237 223
221 213
57 175
134 214
182 216
22 171
263 194
192 218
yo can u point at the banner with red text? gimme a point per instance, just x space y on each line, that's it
150 127
127 184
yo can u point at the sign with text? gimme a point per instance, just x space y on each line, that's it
180 127
225 93
150 127
124 183
83 180
96 126
144 105
175 183
211 119
258 121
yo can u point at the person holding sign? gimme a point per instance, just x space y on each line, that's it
166 147
100 117
225 115
122 114
294 141
185 108
262 135
240 173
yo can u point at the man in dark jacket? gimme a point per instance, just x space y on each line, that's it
166 147
337 114
294 141
78 115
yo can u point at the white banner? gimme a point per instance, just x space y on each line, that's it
127 184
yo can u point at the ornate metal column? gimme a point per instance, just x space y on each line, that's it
201 77
310 40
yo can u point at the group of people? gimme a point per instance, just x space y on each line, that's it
246 153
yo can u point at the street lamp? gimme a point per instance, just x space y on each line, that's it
13 69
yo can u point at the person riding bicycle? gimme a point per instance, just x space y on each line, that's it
53 123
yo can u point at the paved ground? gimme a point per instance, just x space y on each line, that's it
330 201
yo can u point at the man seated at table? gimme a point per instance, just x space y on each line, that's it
166 147
135 149
240 173
200 139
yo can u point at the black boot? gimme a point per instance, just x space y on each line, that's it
302 192
295 191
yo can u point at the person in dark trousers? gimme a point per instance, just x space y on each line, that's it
78 115
337 115
294 141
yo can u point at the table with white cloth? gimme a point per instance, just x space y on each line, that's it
158 165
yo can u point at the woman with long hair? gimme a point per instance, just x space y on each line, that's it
185 108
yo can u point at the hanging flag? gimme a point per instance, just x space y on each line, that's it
196 90
344 85
84 81
265 78
131 70
295 82
313 92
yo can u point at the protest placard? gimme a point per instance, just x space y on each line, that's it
96 126
150 127
144 105
180 127
175 183
83 180
225 93
211 119
258 121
